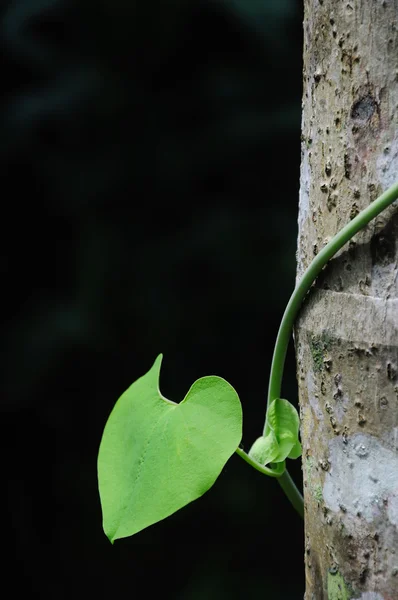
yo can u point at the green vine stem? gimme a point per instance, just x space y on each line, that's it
294 305
292 493
275 472
308 278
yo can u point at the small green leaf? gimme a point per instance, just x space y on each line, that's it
281 440
283 420
157 456
265 449
296 451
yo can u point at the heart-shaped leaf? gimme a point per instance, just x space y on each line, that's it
157 456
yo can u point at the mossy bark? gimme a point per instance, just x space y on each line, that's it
347 334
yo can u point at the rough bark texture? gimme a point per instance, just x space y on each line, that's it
347 334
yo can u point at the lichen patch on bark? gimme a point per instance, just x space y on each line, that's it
337 587
370 596
363 477
387 162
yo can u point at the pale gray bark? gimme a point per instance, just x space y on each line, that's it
347 334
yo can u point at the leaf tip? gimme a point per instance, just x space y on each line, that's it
157 363
111 536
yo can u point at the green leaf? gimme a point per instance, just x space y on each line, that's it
283 420
296 451
265 449
157 456
281 440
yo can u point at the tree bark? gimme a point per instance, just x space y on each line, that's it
347 334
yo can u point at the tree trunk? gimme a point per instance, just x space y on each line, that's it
347 334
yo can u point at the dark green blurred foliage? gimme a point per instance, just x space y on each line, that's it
149 158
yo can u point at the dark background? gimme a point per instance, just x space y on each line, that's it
149 156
